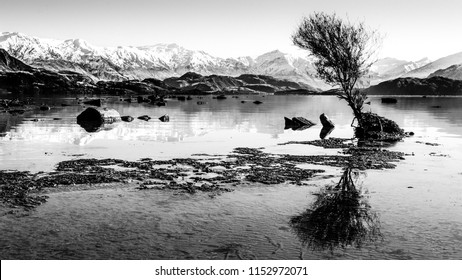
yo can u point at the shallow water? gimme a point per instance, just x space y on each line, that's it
419 204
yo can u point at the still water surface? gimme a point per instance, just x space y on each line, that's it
418 204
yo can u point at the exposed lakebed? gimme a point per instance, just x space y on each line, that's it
220 213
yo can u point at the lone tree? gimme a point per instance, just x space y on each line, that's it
344 53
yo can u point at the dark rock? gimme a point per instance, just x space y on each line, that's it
201 102
297 123
92 119
181 98
189 97
389 100
165 118
144 118
161 103
257 102
45 108
127 118
325 121
287 122
379 128
221 97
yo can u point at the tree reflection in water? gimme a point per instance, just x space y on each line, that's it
339 217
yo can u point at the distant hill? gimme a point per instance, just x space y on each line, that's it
416 86
158 61
452 72
162 61
442 63
17 76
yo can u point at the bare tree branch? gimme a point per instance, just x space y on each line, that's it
344 52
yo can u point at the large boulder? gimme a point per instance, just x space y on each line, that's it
375 127
93 118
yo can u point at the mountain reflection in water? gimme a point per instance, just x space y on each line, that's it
340 216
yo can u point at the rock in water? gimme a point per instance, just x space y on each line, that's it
93 118
165 118
325 121
127 118
144 117
389 100
300 121
93 102
45 108
287 123
257 102
379 128
297 123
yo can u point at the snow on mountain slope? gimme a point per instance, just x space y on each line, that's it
392 68
159 61
442 63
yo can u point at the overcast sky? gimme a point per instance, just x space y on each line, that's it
226 28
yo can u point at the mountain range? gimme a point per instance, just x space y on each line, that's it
162 61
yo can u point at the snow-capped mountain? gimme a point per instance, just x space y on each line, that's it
158 61
388 68
166 60
442 63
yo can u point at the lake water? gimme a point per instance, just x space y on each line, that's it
418 204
